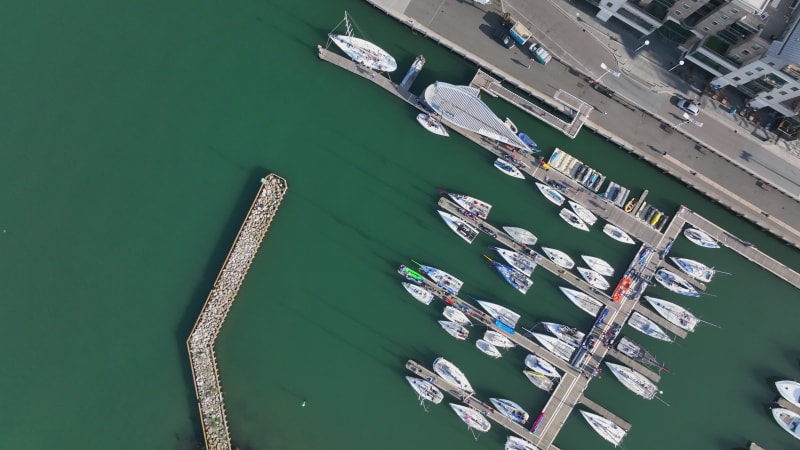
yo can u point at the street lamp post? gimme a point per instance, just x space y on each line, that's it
686 119
680 63
645 44
607 71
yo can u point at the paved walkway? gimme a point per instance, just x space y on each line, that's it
463 25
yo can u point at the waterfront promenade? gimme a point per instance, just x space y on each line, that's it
201 340
648 135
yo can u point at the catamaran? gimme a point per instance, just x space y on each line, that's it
675 283
648 327
472 418
513 277
477 207
542 382
452 374
497 339
541 366
594 278
488 348
700 238
633 380
599 265
418 292
607 429
572 219
461 228
455 315
790 390
676 314
456 330
551 194
501 313
442 278
511 410
361 51
521 235
694 269
516 443
559 258
555 346
567 334
432 125
517 260
508 169
583 301
617 234
788 420
638 353
425 390
583 212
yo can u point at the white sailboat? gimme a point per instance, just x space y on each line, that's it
551 194
477 207
473 418
419 292
361 51
788 420
790 390
567 334
488 348
441 278
501 313
523 263
583 212
542 382
497 339
641 323
510 409
594 278
694 269
521 235
633 380
452 374
675 283
516 443
559 258
617 234
599 265
425 390
572 219
676 314
607 429
541 366
583 301
508 169
455 315
464 230
432 125
700 238
456 330
555 346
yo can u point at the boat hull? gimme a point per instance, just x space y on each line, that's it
365 53
700 237
473 418
583 301
790 390
452 374
426 390
501 313
582 212
617 234
432 125
505 167
675 314
594 278
418 292
551 194
521 235
788 420
541 366
573 220
488 349
643 324
599 265
694 269
464 230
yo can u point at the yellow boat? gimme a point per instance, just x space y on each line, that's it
655 218
629 206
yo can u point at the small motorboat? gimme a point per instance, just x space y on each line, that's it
583 212
454 315
573 219
675 283
559 258
432 125
464 230
497 339
473 418
629 206
542 382
700 238
790 390
419 292
511 410
788 420
594 278
532 147
599 265
551 194
503 166
694 269
488 348
617 234
454 329
425 390
541 366
641 323
521 235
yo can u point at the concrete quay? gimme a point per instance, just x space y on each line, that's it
200 343
707 166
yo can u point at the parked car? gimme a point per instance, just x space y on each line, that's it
503 38
688 106
540 54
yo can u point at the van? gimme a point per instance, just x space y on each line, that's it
540 54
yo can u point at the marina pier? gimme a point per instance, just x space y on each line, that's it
200 343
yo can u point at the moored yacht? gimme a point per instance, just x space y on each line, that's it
477 207
432 125
472 418
636 352
508 169
517 443
452 374
633 380
675 283
700 238
607 429
419 292
464 230
521 235
523 263
442 278
559 258
497 339
456 330
567 334
788 420
361 51
425 390
541 366
586 302
455 315
488 348
617 234
790 390
676 314
572 219
694 269
648 327
510 409
551 194
555 346
594 278
501 313
515 278
599 265
542 382
583 212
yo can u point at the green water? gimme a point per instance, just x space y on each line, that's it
133 139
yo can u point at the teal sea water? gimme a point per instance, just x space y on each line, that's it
133 139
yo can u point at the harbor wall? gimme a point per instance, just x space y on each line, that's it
200 344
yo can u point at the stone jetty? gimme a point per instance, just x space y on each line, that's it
201 340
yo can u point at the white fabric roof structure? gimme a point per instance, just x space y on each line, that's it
461 107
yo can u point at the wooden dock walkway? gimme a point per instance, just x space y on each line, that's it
783 403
